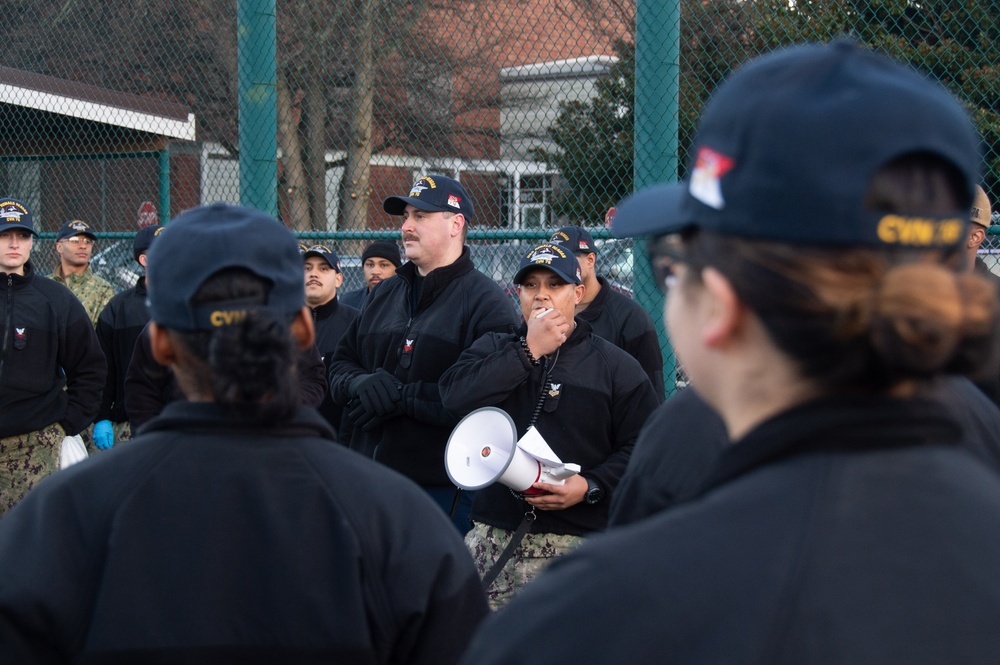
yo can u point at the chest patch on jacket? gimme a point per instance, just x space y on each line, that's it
406 355
20 337
552 395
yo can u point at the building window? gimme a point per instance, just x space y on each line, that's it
528 198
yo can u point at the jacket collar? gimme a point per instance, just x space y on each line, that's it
325 310
438 279
19 281
209 417
838 424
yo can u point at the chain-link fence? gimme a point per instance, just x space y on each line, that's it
121 112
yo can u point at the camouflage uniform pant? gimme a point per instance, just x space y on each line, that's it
25 459
535 552
123 432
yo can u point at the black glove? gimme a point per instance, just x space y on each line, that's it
377 393
362 419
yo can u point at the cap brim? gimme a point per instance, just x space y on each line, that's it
652 211
8 227
518 277
321 255
396 205
81 233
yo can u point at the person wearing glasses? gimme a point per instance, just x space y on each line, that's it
815 254
331 317
234 529
51 365
666 469
75 247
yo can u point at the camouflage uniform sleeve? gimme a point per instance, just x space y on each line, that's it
94 293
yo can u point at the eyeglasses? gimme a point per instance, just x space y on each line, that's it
80 240
664 256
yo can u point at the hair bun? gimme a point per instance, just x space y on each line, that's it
927 319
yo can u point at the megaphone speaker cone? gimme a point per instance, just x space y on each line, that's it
482 450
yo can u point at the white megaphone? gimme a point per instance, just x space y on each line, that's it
484 449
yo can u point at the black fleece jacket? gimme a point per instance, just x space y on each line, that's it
51 365
596 401
623 322
416 344
246 543
118 327
332 320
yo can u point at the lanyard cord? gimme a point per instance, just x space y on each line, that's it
546 384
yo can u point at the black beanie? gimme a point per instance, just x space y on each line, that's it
384 249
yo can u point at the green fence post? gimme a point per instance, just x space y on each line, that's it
657 48
164 160
257 61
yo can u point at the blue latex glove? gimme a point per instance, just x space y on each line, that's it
104 434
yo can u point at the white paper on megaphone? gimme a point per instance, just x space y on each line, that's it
535 445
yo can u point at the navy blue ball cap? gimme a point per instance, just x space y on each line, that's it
575 238
552 257
204 240
14 214
651 211
144 239
787 148
325 252
433 193
75 227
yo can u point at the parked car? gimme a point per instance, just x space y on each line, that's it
116 264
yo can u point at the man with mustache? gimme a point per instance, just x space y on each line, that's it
413 327
331 317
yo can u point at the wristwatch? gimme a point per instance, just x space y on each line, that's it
594 492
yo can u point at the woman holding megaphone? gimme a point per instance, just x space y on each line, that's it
586 397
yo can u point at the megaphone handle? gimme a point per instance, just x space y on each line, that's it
508 551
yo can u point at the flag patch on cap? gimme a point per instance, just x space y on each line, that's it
706 177
454 201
